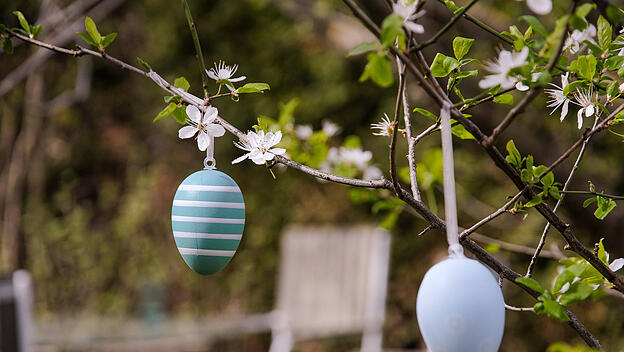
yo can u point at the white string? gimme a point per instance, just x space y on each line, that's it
450 203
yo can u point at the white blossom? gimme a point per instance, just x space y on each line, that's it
522 87
409 12
353 157
617 264
259 146
384 128
584 100
557 98
574 42
540 7
304 131
501 69
330 129
222 72
202 125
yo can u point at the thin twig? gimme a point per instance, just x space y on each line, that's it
446 27
492 216
513 247
395 123
411 144
542 240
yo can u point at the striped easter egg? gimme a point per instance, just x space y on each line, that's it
207 219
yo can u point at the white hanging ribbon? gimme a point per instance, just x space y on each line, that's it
450 203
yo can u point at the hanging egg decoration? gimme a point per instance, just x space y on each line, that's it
460 307
207 219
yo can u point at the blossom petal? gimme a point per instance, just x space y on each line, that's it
187 132
564 109
278 151
540 7
193 113
579 115
617 264
210 114
215 130
522 87
414 27
240 158
589 111
237 79
203 141
211 75
268 156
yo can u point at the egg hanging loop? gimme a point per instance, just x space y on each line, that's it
209 162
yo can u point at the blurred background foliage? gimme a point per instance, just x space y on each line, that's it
88 188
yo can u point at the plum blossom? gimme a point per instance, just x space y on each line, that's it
351 157
222 73
557 98
202 125
304 131
408 10
384 128
574 42
330 129
259 146
584 100
540 7
501 69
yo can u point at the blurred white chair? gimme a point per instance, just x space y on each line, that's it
332 281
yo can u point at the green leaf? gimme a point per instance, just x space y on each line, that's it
605 33
443 65
506 99
535 24
144 64
602 254
179 114
539 170
92 30
22 20
554 192
7 46
564 277
535 201
584 10
35 30
87 39
577 292
555 311
604 207
108 39
378 70
585 66
530 283
589 201
451 5
548 180
166 111
182 83
613 89
254 88
426 113
613 63
391 29
461 132
570 87
514 157
461 46
363 48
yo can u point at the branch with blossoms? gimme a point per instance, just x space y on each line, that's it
590 80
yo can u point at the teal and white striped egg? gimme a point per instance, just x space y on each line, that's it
207 219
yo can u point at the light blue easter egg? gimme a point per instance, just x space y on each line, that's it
207 219
460 307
